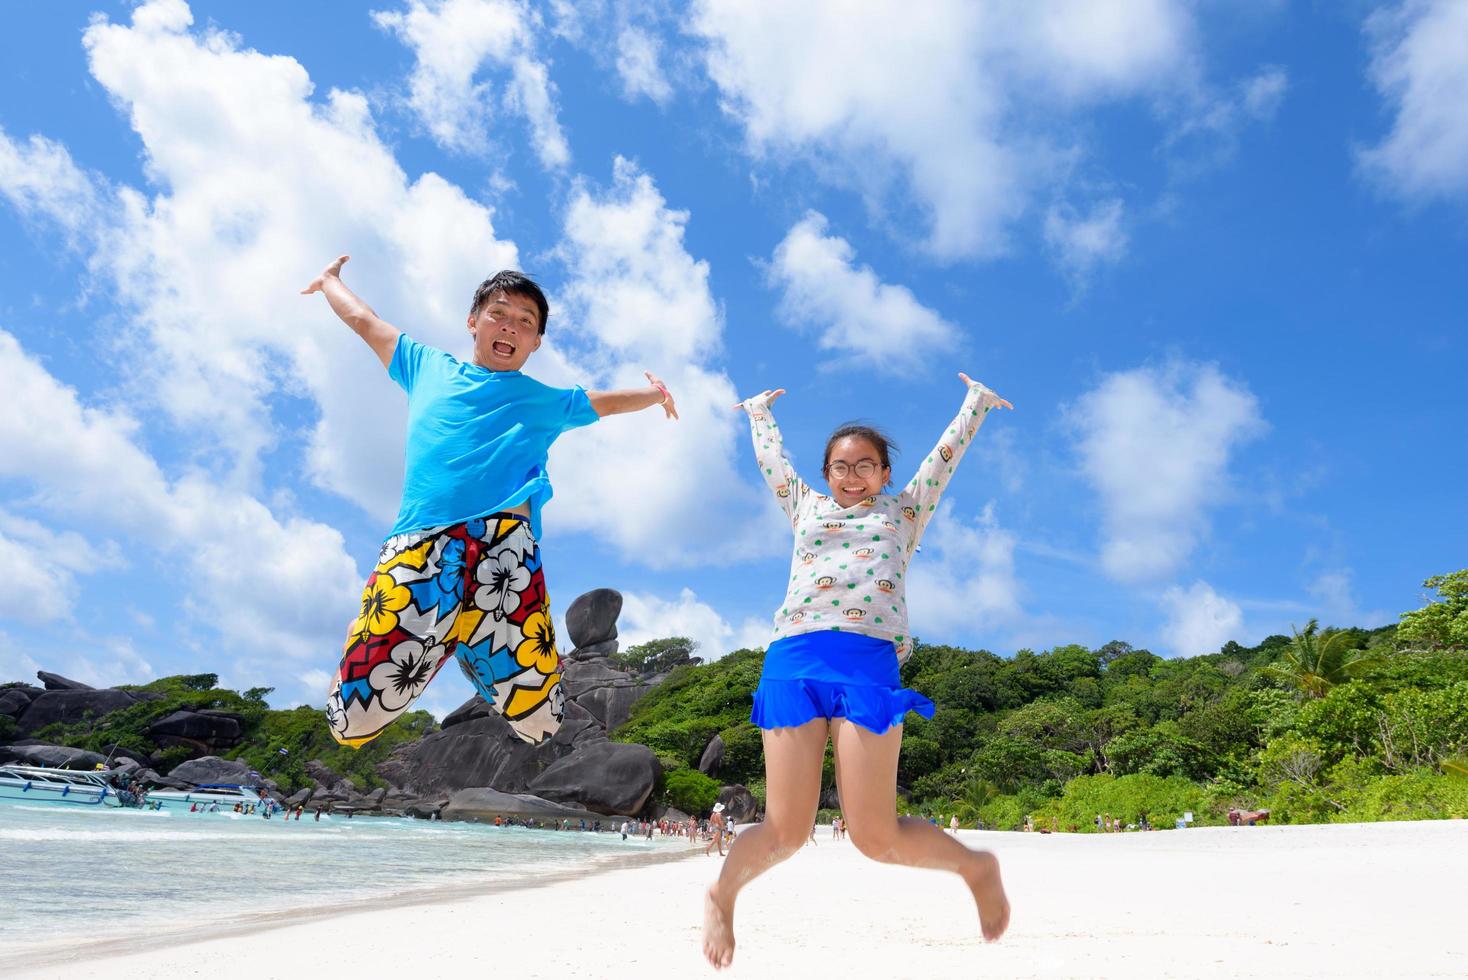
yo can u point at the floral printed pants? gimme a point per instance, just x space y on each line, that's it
475 591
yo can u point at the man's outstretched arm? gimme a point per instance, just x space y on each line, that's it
634 399
380 335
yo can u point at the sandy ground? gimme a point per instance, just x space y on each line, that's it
1377 900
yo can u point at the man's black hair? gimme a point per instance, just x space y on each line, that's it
511 281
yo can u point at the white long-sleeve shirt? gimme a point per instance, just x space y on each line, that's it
849 568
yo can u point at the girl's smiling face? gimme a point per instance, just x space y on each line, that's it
854 470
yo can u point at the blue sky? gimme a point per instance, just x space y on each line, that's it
1211 251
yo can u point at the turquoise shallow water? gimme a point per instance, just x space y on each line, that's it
89 874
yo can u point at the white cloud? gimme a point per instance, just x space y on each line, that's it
211 266
264 586
1199 620
453 40
40 180
1336 603
858 317
1263 94
963 582
1155 443
638 53
947 105
648 617
1419 68
638 301
42 564
1080 244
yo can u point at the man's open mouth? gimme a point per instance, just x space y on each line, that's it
503 348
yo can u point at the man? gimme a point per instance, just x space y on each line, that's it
460 574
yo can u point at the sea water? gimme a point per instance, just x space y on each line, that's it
92 873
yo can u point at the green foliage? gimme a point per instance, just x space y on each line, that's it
1316 663
691 791
1162 800
679 716
657 656
1440 625
8 729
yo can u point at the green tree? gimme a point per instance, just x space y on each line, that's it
1314 663
657 656
1440 625
691 791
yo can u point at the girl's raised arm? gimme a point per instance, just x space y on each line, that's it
932 477
769 449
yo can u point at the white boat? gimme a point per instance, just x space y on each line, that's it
68 787
225 795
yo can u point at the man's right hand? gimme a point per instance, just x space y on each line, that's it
332 271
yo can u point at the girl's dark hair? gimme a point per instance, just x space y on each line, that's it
511 282
885 447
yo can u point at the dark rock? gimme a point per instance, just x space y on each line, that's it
480 804
475 707
324 777
674 815
212 769
204 730
607 693
831 799
424 809
713 756
70 706
595 651
50 756
484 751
125 764
14 700
592 617
300 797
607 777
55 682
739 803
150 778
376 797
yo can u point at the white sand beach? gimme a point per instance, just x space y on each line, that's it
1328 901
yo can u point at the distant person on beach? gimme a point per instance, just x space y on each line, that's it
460 573
831 669
716 823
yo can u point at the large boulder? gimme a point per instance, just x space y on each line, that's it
592 617
50 756
14 700
212 769
482 804
148 777
55 682
71 706
206 731
739 803
713 756
475 707
607 777
484 751
300 797
323 777
595 651
607 693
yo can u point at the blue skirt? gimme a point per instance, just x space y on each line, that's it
833 674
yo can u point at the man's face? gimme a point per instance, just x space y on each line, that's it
506 331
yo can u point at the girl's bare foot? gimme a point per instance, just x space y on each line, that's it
718 930
982 877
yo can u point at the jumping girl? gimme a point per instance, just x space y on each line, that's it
831 667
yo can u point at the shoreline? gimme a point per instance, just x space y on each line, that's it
1327 900
66 952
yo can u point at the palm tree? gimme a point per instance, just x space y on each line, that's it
1315 664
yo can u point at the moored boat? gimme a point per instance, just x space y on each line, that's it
64 787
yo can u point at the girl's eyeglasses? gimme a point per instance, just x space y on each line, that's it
862 468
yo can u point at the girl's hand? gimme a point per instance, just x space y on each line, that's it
768 395
969 383
670 409
332 271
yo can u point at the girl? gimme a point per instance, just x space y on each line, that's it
832 665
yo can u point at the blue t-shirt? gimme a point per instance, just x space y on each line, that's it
477 439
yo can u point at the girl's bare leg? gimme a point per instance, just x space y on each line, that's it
866 775
793 759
